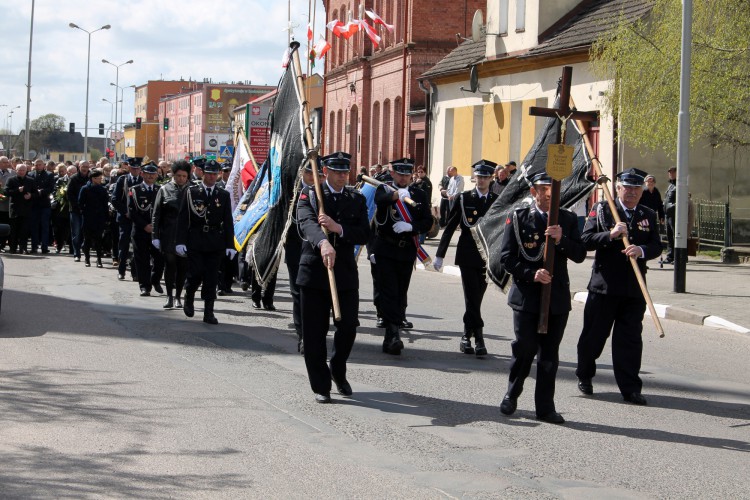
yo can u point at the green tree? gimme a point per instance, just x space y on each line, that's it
95 154
48 122
642 60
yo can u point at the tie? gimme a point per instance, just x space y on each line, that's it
544 217
208 192
630 212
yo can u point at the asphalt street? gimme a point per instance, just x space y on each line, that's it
105 395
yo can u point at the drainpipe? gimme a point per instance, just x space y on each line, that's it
427 120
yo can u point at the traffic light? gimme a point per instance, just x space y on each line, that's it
138 123
166 123
72 128
101 129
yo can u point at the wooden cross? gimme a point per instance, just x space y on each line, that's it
563 113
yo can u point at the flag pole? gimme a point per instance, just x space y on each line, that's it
312 156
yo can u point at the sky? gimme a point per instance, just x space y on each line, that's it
222 40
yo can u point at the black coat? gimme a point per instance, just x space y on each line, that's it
399 246
76 183
652 200
612 274
425 185
166 209
140 207
465 214
93 201
524 234
120 194
45 186
205 225
351 212
20 206
670 199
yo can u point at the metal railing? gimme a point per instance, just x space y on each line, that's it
714 224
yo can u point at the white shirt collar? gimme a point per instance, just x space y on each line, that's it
331 190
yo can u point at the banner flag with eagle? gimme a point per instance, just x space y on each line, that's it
286 156
488 233
252 208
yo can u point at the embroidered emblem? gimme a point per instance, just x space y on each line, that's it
469 220
530 245
507 221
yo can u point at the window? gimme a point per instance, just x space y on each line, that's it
520 15
502 27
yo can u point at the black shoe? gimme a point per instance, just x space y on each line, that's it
58 250
343 387
220 292
121 277
465 345
322 398
551 418
145 292
636 398
210 319
269 307
380 323
585 386
256 304
406 325
87 263
245 286
99 263
169 304
480 349
508 406
45 251
157 287
178 303
77 259
188 308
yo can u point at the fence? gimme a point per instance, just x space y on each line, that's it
714 224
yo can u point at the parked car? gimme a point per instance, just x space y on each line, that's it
4 232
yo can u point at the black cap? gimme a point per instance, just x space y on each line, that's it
484 168
671 168
212 167
226 167
199 162
541 178
510 163
632 177
339 161
308 166
135 161
404 166
150 168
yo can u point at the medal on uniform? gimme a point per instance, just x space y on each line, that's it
536 236
475 212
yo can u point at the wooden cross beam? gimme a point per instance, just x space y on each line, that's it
563 113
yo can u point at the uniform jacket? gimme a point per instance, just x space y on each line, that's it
399 246
293 242
205 224
522 254
166 209
94 202
45 186
4 177
20 206
612 274
120 194
141 207
670 199
351 212
465 214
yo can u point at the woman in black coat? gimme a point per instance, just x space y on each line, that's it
164 234
93 201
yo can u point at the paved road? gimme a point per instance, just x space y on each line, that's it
103 394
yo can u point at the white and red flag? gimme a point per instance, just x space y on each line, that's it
243 170
335 27
378 20
309 32
374 38
321 47
349 29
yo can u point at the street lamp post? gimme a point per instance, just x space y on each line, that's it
117 85
122 98
88 68
9 122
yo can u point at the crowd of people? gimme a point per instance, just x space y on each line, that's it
177 219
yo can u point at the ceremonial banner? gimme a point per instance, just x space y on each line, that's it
285 157
488 233
243 169
252 209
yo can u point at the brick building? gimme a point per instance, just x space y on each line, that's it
374 106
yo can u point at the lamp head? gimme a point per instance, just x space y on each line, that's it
105 61
129 62
73 25
105 27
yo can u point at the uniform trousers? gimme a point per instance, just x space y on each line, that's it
292 266
61 228
40 217
393 278
474 282
203 267
175 269
601 313
545 347
143 255
316 307
123 245
19 234
4 219
670 237
260 294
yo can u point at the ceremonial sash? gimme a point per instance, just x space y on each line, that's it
424 258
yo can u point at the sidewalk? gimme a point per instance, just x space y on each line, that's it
717 295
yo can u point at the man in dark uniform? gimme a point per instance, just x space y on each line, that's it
140 213
120 202
670 204
205 233
471 206
346 222
293 254
395 248
522 255
615 298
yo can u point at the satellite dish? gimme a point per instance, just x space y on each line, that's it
474 78
32 154
477 25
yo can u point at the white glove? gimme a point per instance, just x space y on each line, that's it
403 193
181 250
401 227
157 244
371 258
437 264
231 253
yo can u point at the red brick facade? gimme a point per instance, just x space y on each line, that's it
373 100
